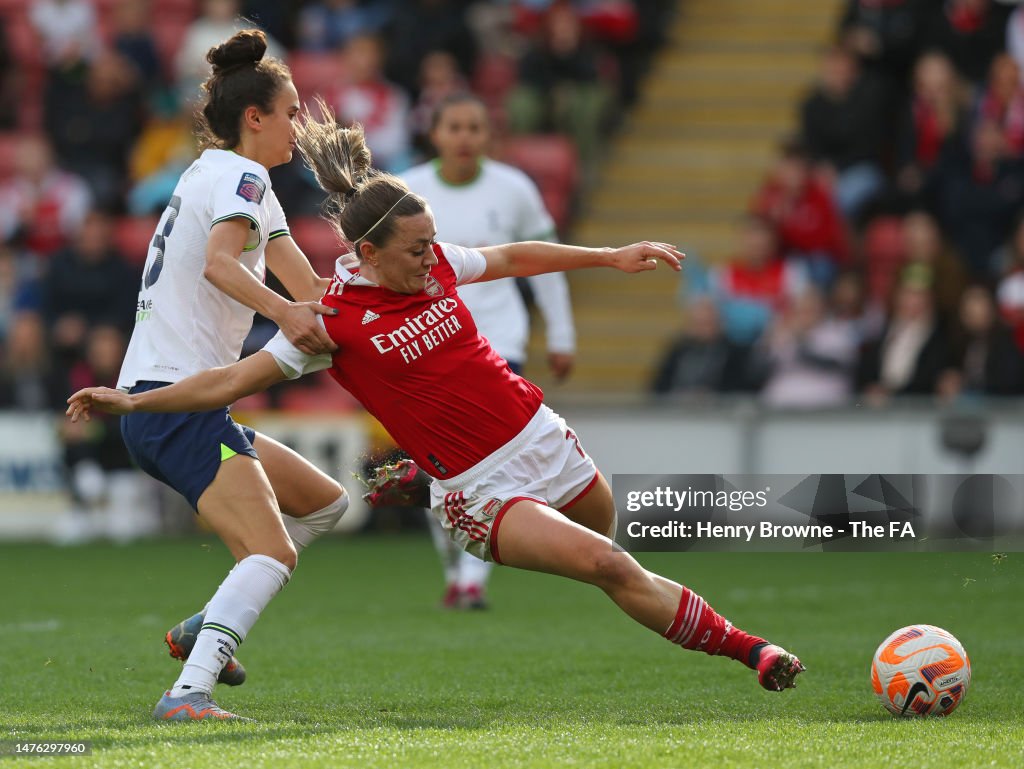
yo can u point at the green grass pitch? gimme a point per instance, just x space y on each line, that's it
354 666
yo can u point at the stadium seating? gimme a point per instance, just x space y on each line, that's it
884 255
550 160
8 151
317 240
133 235
315 73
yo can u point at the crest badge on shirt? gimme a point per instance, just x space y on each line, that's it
433 287
251 188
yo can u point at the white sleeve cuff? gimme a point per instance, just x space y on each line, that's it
292 361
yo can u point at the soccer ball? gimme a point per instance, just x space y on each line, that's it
920 670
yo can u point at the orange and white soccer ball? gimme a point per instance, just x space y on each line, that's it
920 670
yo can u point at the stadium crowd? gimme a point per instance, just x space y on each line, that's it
883 255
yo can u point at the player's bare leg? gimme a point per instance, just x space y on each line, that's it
535 537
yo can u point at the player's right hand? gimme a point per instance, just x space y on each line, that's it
300 324
102 398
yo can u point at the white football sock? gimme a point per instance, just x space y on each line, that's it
231 613
473 571
446 549
304 530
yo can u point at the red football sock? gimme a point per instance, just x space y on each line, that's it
700 628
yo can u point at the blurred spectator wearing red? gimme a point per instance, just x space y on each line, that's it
1002 102
752 286
801 207
367 97
42 206
932 117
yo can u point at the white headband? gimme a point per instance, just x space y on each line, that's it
384 217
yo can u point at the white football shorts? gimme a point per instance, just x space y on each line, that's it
545 462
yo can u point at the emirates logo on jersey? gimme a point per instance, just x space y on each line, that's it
433 287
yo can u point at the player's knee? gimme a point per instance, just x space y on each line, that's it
285 553
611 568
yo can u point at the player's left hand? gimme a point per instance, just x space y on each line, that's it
561 364
640 257
103 398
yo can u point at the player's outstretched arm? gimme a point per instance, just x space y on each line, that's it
520 260
210 389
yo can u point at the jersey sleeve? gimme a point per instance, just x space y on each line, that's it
533 220
278 223
292 361
239 193
468 264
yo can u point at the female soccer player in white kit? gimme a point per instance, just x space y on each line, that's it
512 483
202 282
478 202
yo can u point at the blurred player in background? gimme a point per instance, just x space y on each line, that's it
479 202
512 483
202 282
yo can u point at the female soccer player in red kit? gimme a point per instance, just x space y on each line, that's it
511 481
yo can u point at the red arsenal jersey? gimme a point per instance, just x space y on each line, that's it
419 365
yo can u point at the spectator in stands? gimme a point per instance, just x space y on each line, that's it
840 125
1015 35
26 382
849 306
970 32
801 208
701 360
104 487
88 284
440 79
10 81
886 38
979 188
913 350
428 25
93 123
19 287
368 98
810 356
1010 292
936 110
133 39
930 254
753 285
41 205
166 146
561 87
218 21
1002 102
327 25
68 32
984 358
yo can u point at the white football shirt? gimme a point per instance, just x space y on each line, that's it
183 323
500 205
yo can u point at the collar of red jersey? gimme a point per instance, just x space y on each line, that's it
343 267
